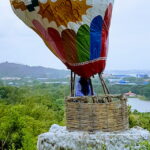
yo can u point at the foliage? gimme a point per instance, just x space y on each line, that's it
143 90
145 145
1 83
139 119
27 112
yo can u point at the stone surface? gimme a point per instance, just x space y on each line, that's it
58 138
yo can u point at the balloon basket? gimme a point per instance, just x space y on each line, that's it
106 113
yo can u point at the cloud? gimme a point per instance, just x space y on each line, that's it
20 44
130 35
129 38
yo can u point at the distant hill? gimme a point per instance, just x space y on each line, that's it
18 70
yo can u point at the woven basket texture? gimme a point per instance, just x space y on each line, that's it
103 113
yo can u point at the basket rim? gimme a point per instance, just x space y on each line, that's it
88 99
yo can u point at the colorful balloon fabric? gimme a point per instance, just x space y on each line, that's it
76 31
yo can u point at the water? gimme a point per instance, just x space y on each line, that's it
139 105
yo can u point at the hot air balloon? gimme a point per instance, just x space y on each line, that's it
76 31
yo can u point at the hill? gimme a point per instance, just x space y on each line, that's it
19 70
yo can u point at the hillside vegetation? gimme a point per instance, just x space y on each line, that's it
26 112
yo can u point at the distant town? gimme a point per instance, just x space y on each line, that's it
113 79
128 79
22 75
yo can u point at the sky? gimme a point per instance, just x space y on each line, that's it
129 46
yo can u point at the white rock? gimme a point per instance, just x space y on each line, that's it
59 138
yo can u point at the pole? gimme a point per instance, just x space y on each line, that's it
106 90
92 91
74 78
71 84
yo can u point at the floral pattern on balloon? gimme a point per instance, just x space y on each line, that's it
83 46
63 11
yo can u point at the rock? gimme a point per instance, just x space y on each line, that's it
58 138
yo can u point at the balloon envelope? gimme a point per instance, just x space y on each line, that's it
76 31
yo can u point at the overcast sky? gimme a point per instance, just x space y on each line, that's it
129 38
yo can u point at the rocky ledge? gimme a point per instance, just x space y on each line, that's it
58 138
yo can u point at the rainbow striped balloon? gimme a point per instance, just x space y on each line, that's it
76 31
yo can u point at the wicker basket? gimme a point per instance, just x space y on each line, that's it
97 113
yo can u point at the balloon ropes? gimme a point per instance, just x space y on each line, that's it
76 31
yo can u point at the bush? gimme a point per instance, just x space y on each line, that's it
25 115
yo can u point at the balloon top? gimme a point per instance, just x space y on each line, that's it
76 31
